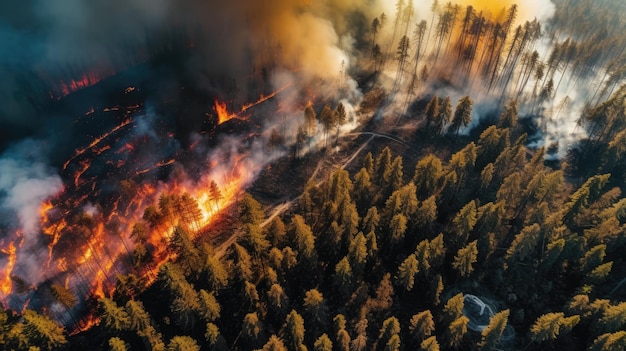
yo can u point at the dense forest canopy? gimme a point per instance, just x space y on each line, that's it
457 184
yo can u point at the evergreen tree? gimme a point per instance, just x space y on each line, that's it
316 309
406 272
445 114
465 259
456 331
274 344
422 325
294 331
432 112
117 344
41 330
550 325
182 343
492 334
610 342
323 343
113 316
462 114
429 344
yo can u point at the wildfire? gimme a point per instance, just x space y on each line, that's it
85 81
96 141
222 112
6 285
89 245
263 98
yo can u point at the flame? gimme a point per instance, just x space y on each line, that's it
86 80
158 165
96 141
222 112
6 285
263 98
88 248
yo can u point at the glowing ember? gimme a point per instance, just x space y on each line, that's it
96 141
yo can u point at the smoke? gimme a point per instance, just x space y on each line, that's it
527 9
26 180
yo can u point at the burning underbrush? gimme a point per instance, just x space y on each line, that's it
120 198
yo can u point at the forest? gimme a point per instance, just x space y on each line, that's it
455 214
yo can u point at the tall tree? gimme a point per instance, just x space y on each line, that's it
406 272
294 331
462 114
465 259
492 334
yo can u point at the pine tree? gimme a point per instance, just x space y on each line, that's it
310 120
613 318
456 331
524 243
428 176
382 165
610 342
445 114
406 272
393 176
508 118
316 309
340 119
209 309
182 343
250 210
294 331
432 112
117 344
113 316
464 222
548 326
422 325
303 238
252 327
462 114
492 334
323 343
327 118
274 344
429 344
41 330
465 259
389 329
454 308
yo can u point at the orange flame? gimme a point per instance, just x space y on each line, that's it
222 112
6 285
97 141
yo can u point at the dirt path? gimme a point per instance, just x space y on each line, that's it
276 210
